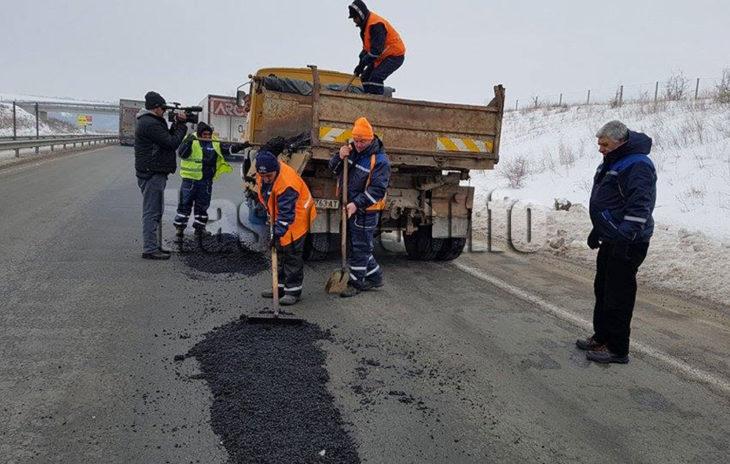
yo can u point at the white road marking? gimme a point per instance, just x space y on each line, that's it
667 359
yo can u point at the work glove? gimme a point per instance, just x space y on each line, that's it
593 242
239 147
359 69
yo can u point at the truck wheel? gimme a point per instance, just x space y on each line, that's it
317 246
421 246
451 249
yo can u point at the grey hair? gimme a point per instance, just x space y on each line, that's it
614 130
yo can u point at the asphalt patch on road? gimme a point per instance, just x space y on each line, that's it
221 254
270 400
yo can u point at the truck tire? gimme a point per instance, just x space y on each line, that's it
421 246
451 249
317 246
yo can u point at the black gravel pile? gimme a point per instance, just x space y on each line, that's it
222 254
270 401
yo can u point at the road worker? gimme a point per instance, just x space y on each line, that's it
202 164
383 50
368 178
291 209
621 207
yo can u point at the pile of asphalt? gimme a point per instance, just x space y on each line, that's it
221 254
270 401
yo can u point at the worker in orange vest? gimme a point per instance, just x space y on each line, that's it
367 187
383 51
291 208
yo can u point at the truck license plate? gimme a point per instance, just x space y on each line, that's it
326 203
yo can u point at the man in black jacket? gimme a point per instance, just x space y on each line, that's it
154 160
621 206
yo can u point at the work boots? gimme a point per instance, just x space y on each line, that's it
269 294
288 300
157 255
588 344
179 234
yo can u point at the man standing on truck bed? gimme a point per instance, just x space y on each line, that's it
383 50
154 160
368 178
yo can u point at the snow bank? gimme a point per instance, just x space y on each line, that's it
548 154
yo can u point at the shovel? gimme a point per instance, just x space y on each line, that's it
274 317
337 282
349 84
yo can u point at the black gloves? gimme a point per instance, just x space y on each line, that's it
359 69
275 242
238 147
593 242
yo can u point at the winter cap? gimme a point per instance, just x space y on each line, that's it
152 100
266 162
358 9
362 129
203 127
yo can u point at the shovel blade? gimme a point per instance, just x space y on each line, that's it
337 282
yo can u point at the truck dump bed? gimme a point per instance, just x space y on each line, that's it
415 133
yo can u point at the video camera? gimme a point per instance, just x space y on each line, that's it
190 112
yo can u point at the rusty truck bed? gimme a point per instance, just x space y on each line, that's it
415 133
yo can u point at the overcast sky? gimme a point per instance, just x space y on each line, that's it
457 49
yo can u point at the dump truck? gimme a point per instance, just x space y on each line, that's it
128 110
432 148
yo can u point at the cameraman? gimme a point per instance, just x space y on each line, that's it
154 159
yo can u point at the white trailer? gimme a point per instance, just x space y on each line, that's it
227 119
128 120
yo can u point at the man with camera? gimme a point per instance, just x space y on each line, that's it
154 160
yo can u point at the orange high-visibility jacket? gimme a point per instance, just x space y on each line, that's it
305 211
394 45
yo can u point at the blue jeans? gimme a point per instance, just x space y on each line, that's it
361 227
153 204
194 194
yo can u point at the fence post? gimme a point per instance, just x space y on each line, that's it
621 96
656 92
560 103
535 102
37 132
15 130
588 99
697 88
517 103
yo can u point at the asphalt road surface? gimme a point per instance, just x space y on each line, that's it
467 362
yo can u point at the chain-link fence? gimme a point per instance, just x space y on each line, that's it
676 87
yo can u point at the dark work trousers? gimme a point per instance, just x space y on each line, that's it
153 204
374 76
615 290
291 267
361 227
194 194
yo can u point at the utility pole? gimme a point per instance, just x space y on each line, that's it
588 99
697 89
15 129
656 92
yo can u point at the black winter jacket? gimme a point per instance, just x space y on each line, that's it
624 193
155 144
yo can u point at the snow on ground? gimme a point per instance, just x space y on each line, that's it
556 149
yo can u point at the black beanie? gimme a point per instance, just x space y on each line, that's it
152 100
202 127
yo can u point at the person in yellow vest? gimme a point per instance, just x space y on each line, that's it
383 50
367 185
290 207
202 163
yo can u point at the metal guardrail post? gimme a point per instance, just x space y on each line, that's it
15 129
37 126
